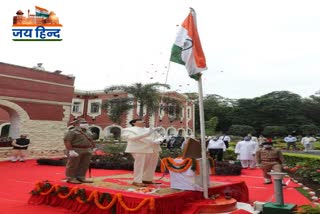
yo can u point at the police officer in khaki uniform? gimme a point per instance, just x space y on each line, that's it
268 159
79 145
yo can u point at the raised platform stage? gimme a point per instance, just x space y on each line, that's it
115 194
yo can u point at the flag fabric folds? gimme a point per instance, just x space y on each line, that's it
42 12
187 49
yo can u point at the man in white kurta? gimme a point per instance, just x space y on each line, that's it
246 150
144 146
307 142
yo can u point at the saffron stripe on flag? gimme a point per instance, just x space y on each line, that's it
187 49
42 12
41 9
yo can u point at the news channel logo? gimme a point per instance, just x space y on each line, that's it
41 26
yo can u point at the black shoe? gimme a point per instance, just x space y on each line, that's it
268 182
150 182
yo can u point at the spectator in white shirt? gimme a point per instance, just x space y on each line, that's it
291 141
216 147
226 139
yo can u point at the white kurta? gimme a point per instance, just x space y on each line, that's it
246 149
308 143
144 145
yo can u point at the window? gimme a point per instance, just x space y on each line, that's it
172 110
95 107
188 113
76 107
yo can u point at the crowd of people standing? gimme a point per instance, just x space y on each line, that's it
258 152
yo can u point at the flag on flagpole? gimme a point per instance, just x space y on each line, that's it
187 49
42 12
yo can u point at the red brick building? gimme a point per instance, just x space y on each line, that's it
42 104
87 104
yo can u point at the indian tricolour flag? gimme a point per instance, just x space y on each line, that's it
42 12
187 48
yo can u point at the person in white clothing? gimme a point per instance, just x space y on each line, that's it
226 139
246 151
144 146
291 141
215 148
307 142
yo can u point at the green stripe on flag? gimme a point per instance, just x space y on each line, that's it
42 14
195 76
176 55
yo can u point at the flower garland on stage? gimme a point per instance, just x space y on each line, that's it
80 195
170 164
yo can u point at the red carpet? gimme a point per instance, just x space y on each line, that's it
265 192
18 179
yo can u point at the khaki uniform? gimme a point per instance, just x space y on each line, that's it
269 159
81 143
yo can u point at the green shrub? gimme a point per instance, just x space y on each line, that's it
309 209
303 166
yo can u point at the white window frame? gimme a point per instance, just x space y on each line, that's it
81 105
90 102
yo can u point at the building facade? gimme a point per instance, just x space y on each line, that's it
42 104
36 103
88 105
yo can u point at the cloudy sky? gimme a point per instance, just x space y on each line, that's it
252 47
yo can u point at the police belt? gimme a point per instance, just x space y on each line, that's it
81 147
270 159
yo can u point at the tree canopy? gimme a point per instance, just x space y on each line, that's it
145 95
281 112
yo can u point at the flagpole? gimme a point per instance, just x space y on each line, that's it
204 162
204 165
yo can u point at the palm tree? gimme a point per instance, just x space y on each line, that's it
146 95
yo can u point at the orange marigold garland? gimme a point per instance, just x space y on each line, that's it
80 196
142 203
109 205
171 165
71 192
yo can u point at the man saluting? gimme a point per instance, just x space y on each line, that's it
144 146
